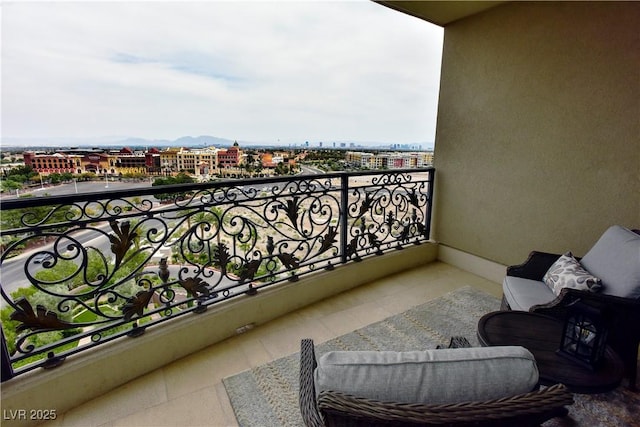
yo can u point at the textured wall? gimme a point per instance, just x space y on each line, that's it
538 134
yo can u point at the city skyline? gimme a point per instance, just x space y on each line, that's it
260 72
203 141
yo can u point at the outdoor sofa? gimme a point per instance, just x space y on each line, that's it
474 386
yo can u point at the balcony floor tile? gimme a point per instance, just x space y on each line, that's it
198 408
213 364
144 392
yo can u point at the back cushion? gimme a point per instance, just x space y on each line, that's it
615 259
429 377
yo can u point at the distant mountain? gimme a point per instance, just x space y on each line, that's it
141 142
114 141
185 141
202 140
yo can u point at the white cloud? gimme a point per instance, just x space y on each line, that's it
253 71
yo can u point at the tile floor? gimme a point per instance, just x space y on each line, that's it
189 391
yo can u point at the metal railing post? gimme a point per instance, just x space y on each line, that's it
427 226
7 370
344 200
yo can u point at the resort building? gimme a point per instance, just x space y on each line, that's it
52 163
386 160
230 158
199 161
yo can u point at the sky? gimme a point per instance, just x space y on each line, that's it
261 71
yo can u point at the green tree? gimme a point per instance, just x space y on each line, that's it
18 178
55 178
11 185
181 178
282 169
251 161
25 173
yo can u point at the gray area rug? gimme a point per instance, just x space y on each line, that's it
267 396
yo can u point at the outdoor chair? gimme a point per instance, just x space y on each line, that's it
337 389
613 261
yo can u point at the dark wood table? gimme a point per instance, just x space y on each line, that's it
541 336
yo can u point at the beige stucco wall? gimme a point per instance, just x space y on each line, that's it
538 133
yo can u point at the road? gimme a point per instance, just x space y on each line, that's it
103 186
79 187
309 170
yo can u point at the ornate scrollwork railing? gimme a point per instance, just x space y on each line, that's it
81 270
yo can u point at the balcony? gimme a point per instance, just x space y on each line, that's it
534 151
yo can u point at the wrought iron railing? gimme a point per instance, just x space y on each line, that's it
81 270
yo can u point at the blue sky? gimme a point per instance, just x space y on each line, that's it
262 71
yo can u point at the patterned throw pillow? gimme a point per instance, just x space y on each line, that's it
567 272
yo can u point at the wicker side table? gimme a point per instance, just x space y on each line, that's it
541 336
457 342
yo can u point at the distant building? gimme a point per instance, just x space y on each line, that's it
231 158
389 160
78 161
51 163
266 160
270 160
126 161
169 160
201 161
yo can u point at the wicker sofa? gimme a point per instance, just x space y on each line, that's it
615 260
376 388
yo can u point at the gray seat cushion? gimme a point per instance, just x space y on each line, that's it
615 259
429 377
522 294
